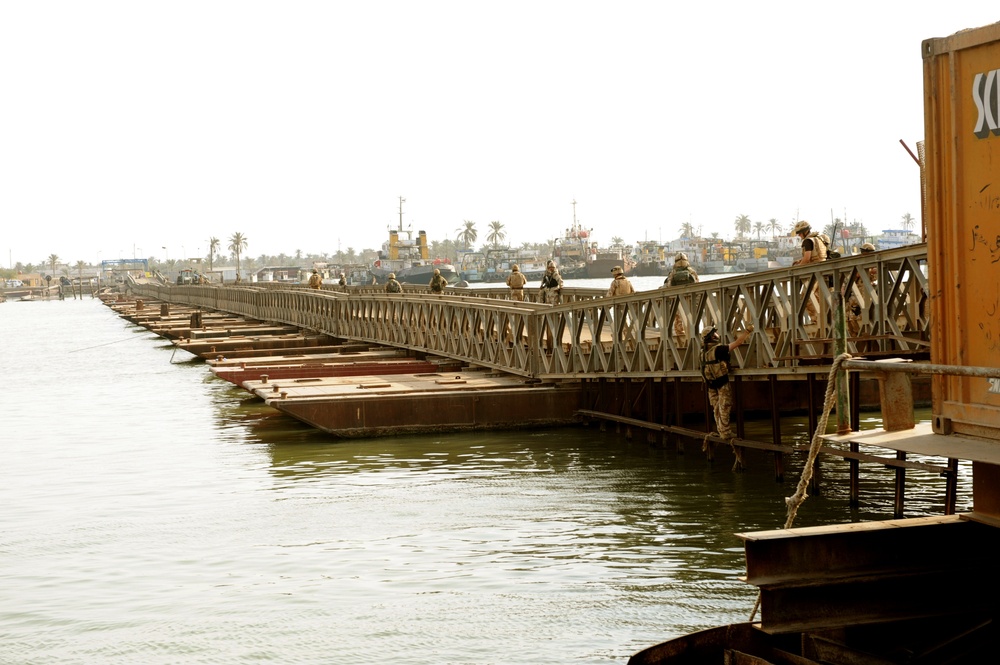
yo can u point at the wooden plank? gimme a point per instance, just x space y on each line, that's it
922 440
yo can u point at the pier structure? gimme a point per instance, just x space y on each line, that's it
630 368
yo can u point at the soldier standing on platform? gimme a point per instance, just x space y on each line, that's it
515 282
552 283
438 283
682 273
620 286
715 370
315 281
392 286
342 282
813 251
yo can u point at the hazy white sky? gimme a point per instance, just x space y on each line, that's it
133 126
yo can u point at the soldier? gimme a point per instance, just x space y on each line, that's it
515 282
342 282
715 370
315 281
438 282
392 286
682 273
813 251
552 283
620 286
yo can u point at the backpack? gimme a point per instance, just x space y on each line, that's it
681 276
830 254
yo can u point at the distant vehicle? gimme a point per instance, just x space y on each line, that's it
14 283
188 276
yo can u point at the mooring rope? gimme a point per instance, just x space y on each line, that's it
796 500
88 348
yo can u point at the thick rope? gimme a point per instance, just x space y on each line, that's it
796 500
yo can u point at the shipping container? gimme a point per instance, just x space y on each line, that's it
962 221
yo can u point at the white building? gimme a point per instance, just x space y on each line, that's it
893 238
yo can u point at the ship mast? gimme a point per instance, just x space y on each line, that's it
409 232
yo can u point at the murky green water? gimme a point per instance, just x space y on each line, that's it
150 513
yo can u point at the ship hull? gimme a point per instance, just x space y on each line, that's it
599 268
416 275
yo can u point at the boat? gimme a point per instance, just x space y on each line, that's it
408 258
923 589
893 238
603 260
571 252
651 259
493 265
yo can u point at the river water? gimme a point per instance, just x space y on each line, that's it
151 513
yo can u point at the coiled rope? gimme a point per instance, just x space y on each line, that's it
796 500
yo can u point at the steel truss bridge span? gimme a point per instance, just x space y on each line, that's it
634 336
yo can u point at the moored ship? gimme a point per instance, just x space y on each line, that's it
409 258
603 260
571 252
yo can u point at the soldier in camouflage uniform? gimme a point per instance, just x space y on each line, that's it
438 282
620 286
552 284
715 370
392 286
682 273
315 281
515 282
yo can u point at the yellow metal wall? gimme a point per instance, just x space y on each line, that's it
962 217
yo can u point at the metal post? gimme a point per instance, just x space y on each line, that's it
678 413
951 487
855 477
779 461
900 486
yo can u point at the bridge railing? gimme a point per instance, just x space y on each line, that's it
629 336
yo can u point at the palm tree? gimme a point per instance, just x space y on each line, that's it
467 234
616 241
774 226
907 221
687 230
237 243
758 227
496 233
743 225
52 260
213 247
